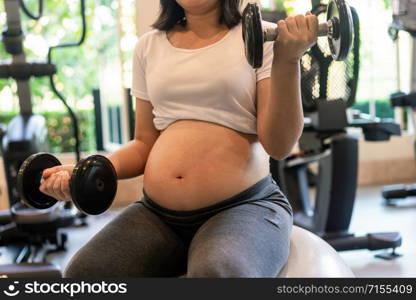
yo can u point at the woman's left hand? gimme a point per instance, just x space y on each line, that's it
296 35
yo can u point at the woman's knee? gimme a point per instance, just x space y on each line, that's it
89 261
221 266
79 266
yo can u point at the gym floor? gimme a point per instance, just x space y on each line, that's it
369 216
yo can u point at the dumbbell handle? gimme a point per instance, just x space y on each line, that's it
271 33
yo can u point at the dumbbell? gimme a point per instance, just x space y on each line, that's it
338 29
93 184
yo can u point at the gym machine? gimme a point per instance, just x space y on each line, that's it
404 18
30 234
325 142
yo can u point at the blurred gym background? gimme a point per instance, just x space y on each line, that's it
96 79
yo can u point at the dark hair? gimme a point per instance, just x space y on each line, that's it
171 14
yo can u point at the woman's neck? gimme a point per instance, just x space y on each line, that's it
204 25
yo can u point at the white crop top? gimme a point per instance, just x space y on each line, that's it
214 83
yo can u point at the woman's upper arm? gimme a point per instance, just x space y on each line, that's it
145 130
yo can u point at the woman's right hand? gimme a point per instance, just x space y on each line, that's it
56 182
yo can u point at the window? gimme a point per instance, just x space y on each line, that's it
115 77
378 78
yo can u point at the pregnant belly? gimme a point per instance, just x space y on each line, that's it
195 164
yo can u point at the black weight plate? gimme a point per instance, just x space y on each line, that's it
93 185
253 35
340 43
29 177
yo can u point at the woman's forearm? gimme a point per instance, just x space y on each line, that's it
130 160
283 123
282 115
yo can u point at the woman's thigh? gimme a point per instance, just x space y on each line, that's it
136 243
250 240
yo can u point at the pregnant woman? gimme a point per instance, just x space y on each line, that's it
206 125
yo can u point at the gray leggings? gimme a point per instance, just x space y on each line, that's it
244 236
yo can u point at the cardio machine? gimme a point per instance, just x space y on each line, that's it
404 18
29 234
328 89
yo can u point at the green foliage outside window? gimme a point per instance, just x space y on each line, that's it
284 5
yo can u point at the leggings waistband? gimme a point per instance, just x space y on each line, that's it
261 190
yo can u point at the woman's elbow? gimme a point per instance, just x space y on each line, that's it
279 154
280 149
280 144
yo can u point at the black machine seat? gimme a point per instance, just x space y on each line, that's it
403 100
330 118
377 131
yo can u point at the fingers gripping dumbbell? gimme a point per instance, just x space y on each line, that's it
93 183
338 29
